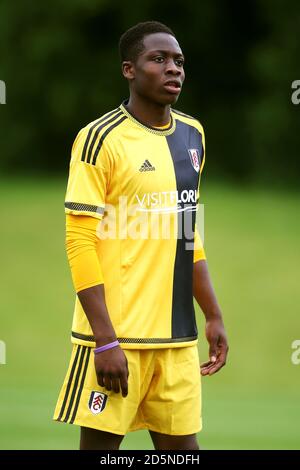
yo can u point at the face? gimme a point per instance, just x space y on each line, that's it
157 74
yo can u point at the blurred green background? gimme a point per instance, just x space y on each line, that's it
60 65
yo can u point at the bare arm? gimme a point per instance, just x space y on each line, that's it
215 332
81 240
94 306
111 366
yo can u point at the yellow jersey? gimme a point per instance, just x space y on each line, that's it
142 183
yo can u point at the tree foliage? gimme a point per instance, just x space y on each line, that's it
60 63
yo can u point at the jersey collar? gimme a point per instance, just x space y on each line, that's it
163 132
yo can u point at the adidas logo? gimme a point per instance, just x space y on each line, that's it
146 166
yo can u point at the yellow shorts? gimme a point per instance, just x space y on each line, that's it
164 393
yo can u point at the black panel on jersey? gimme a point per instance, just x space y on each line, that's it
183 314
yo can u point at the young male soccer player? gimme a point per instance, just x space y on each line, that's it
134 173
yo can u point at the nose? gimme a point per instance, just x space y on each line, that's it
172 68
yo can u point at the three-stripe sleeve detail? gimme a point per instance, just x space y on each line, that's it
94 139
96 135
97 123
103 137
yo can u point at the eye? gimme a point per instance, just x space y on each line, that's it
179 62
159 59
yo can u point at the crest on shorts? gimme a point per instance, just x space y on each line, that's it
97 402
195 159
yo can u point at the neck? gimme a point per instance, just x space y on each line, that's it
147 112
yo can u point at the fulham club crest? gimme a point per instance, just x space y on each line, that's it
195 159
97 402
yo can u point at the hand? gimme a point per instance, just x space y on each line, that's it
112 370
218 347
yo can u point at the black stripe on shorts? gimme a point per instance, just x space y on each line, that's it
81 386
82 354
69 383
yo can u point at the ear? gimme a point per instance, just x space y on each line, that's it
128 70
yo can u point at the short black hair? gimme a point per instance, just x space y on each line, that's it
131 42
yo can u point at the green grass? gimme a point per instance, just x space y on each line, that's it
251 240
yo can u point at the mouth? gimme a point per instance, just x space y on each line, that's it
173 86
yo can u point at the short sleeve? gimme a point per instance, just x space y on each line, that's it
88 180
201 131
199 253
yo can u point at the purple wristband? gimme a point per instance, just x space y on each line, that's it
106 346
